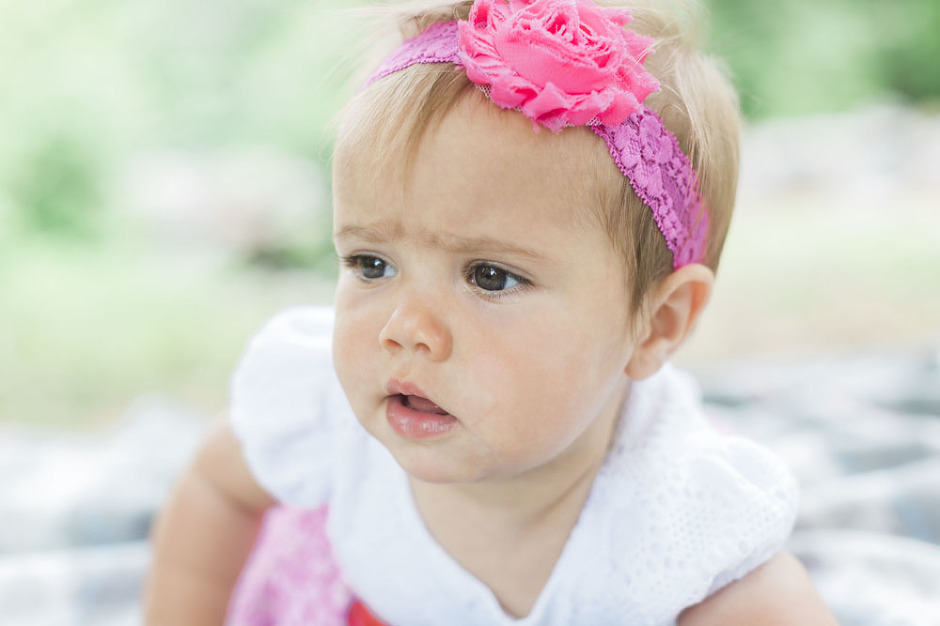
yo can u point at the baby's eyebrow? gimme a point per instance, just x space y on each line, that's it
373 233
470 245
384 232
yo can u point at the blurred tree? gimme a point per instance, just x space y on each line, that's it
57 186
803 56
910 62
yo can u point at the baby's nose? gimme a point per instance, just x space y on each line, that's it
417 325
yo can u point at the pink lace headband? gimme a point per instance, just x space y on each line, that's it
571 63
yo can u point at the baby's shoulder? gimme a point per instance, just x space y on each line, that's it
687 508
665 434
292 347
778 592
297 326
287 407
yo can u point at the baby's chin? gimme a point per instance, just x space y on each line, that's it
436 464
444 467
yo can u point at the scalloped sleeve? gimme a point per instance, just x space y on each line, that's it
754 504
287 405
692 509
739 500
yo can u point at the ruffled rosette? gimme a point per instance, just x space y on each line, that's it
561 62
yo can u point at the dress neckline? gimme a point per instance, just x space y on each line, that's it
484 601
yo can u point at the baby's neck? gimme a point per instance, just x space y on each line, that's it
504 506
509 538
509 534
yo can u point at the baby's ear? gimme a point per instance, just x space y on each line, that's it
675 306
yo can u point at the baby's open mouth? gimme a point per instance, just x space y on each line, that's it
417 403
417 417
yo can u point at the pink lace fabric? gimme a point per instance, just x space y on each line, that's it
661 175
292 578
435 44
645 151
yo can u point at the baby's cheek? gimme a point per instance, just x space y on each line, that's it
341 351
348 361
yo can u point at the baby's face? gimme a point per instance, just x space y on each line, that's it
481 331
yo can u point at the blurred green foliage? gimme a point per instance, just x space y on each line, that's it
86 84
795 57
57 185
85 330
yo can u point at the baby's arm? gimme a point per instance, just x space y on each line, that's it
779 593
204 535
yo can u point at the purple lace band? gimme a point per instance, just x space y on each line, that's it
645 151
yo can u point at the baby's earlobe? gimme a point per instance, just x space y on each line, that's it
646 360
677 305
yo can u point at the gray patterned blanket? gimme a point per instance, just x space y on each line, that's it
861 432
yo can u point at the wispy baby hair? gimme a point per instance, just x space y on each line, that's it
695 102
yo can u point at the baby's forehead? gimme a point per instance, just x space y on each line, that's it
477 139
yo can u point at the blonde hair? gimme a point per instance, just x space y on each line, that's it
695 101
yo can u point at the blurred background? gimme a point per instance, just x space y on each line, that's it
164 188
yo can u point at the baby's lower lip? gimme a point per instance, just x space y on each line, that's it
414 424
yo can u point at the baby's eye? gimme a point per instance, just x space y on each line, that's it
370 267
492 278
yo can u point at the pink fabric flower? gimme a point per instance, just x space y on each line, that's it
562 62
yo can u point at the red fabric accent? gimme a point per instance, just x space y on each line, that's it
359 615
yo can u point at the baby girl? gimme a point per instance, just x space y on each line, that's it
531 198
